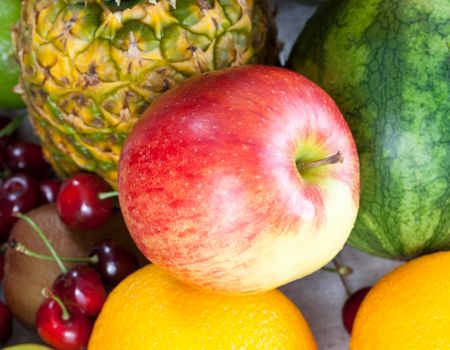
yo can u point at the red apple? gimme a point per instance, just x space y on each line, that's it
214 182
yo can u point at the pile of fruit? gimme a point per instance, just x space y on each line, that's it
181 176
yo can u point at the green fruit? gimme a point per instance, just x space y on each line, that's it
9 69
27 347
90 68
387 65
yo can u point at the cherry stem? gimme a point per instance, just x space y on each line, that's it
342 270
106 195
12 126
45 240
19 247
65 313
335 158
342 278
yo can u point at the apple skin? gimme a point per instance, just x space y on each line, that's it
209 187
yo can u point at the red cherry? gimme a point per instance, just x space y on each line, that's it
351 308
8 209
81 290
20 193
115 262
26 157
5 323
21 187
7 218
49 190
23 203
2 265
79 205
2 157
64 334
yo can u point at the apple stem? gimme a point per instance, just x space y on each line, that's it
342 270
106 195
19 247
65 312
342 277
335 158
45 240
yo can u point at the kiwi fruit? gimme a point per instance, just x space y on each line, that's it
25 276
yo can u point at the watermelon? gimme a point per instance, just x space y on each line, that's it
386 63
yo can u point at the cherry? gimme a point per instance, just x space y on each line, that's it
21 187
8 210
5 323
49 190
2 158
115 262
81 290
79 205
22 190
27 158
7 218
2 265
60 330
351 307
19 193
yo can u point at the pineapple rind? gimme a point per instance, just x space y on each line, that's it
88 70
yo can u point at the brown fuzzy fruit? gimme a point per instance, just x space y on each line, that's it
25 276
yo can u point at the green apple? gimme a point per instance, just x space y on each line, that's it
9 69
27 347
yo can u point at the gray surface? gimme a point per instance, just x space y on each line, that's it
321 295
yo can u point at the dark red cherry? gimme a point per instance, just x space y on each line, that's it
49 189
79 205
2 158
63 334
7 218
81 290
5 323
22 203
2 265
351 308
26 157
115 262
22 190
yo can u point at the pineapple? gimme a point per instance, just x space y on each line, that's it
90 67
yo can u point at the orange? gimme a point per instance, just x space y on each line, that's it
408 309
152 310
